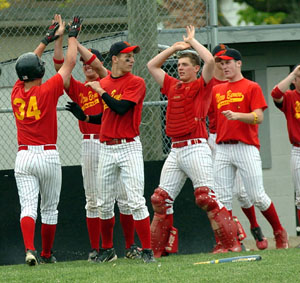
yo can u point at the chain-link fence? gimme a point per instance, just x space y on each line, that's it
152 24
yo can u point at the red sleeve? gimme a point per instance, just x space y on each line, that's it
168 81
258 100
277 93
135 91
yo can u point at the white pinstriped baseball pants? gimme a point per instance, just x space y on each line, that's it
238 187
39 171
90 149
295 167
245 158
192 161
124 163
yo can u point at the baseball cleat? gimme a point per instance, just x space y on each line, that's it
281 238
148 256
31 257
218 249
93 254
107 255
51 259
261 241
134 252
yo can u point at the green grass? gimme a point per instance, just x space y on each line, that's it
275 266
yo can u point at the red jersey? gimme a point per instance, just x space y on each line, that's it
291 109
35 111
211 113
202 99
242 96
89 101
115 126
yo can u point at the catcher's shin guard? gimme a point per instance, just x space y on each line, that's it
225 229
240 230
160 231
172 244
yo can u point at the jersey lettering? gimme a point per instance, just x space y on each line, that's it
230 97
115 96
297 109
32 109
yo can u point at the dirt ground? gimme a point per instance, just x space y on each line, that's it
250 244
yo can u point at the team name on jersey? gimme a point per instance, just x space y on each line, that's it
89 100
297 109
115 96
229 97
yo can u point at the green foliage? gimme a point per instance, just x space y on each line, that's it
275 266
4 4
250 15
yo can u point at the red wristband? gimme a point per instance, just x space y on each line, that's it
56 61
277 93
91 59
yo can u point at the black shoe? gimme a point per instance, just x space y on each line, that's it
261 241
134 252
93 255
31 257
106 255
147 256
51 259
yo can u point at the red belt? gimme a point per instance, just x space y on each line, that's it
118 141
229 142
46 147
88 137
185 143
296 144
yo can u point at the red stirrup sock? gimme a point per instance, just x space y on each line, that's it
142 228
128 229
93 226
107 231
271 215
48 234
250 213
28 228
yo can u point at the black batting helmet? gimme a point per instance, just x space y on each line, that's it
30 67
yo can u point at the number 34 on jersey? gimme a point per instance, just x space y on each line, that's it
30 111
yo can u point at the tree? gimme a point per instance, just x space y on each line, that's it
270 11
4 4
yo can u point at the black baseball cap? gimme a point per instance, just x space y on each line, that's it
123 47
219 49
230 54
96 52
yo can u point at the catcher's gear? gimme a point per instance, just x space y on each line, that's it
240 230
29 67
172 245
158 200
204 200
50 35
74 28
76 110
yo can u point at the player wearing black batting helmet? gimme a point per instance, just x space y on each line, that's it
30 67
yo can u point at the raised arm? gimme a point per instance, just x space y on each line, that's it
284 85
69 63
205 55
58 57
92 60
154 65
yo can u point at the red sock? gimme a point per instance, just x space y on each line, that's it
250 213
107 231
48 234
272 217
298 214
28 228
93 226
128 229
142 228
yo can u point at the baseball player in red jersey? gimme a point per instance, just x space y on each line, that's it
239 106
190 157
238 190
37 166
121 151
288 101
91 103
